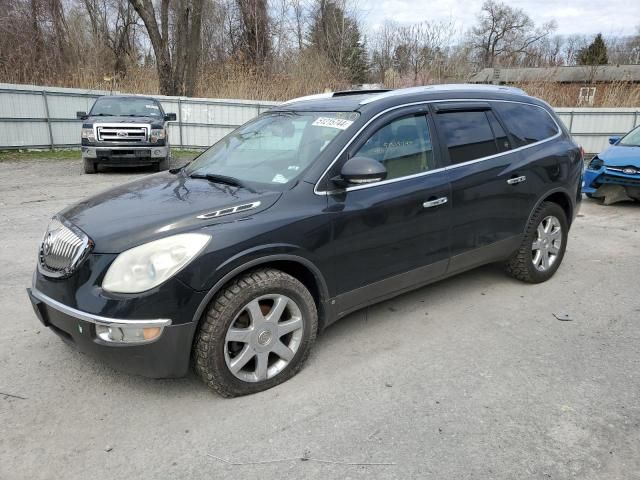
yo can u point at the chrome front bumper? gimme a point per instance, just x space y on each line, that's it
154 152
97 319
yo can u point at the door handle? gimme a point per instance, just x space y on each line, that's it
436 202
516 180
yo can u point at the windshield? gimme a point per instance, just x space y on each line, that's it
132 107
274 148
631 139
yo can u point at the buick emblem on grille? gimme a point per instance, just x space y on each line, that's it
122 134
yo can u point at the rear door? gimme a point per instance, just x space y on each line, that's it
490 197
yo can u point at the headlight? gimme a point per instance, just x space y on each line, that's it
158 134
87 133
595 164
146 266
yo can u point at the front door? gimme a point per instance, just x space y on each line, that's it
392 235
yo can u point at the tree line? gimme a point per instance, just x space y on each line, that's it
188 45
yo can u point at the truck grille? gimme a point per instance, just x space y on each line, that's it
61 250
122 133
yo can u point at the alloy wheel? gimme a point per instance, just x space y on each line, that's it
546 245
263 338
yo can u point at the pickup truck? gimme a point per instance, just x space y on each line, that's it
122 130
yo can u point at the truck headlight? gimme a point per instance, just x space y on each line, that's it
157 134
146 266
87 133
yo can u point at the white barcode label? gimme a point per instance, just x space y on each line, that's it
340 123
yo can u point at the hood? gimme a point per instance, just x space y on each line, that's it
88 122
157 206
621 156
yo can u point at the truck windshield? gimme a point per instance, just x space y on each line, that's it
274 148
126 107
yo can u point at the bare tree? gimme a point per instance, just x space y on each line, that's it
505 32
255 44
114 26
177 66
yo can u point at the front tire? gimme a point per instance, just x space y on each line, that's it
543 246
89 166
256 334
163 165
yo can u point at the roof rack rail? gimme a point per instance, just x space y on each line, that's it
444 87
344 93
339 93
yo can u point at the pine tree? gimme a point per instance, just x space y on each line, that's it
594 54
337 36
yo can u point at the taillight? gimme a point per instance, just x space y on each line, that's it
582 153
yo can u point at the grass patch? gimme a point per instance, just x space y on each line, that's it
39 154
74 154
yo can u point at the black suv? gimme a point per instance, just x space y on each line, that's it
319 207
125 130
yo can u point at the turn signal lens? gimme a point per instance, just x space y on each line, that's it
122 334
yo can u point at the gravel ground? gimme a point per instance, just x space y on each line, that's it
472 377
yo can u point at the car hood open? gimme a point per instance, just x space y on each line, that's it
620 156
160 205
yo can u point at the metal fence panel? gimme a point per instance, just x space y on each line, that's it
41 117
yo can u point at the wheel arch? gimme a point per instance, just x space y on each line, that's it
560 197
298 267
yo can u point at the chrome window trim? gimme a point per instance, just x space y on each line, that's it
97 319
448 167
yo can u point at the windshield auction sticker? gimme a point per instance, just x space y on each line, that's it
339 123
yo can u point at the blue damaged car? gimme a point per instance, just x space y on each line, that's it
614 174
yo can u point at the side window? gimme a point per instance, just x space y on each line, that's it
403 146
526 123
468 135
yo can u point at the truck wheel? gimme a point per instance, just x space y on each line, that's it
89 165
163 165
542 247
256 334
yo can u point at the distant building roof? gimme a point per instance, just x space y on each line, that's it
575 74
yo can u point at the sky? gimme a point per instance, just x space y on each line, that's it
610 17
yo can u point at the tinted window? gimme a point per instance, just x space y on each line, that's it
526 123
468 135
502 141
402 146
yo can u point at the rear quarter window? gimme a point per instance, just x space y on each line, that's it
526 123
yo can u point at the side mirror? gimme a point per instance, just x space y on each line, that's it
81 115
360 171
170 117
613 140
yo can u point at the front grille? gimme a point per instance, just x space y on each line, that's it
122 133
631 169
612 179
61 250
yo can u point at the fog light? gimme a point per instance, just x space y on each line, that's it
157 153
122 334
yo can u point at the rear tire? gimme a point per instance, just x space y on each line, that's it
256 334
89 166
543 246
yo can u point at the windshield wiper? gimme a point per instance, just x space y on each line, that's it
215 178
102 115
